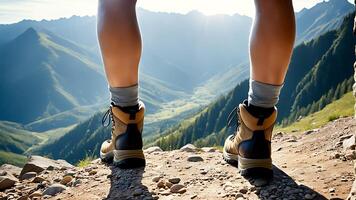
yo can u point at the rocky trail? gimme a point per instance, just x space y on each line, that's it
317 164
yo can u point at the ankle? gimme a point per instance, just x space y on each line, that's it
257 111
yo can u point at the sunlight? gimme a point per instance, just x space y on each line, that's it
16 10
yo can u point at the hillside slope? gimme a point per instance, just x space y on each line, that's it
321 18
49 81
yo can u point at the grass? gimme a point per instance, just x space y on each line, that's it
343 107
86 161
12 158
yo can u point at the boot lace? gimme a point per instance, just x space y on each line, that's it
233 121
108 116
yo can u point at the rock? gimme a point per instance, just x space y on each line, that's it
331 190
70 173
137 192
243 190
54 189
177 188
161 184
156 179
308 132
66 179
76 182
208 149
195 158
11 169
38 164
169 184
174 180
7 181
350 154
349 143
92 172
189 148
28 175
153 149
38 179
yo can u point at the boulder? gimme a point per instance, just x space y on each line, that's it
7 181
188 148
11 169
38 164
153 149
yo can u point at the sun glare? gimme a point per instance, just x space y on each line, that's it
16 10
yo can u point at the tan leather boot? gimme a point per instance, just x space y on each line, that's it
125 145
250 146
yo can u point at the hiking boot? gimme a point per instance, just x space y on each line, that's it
250 146
125 146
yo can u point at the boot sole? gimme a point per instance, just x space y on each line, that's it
107 157
127 159
251 168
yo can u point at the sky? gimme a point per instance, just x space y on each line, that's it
12 11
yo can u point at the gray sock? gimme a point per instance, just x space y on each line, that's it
263 94
124 96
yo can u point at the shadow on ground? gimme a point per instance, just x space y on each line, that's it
282 186
126 184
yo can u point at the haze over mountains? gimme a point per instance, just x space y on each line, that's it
53 76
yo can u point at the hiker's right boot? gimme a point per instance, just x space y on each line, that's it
125 146
250 146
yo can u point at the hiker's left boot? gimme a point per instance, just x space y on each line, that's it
250 146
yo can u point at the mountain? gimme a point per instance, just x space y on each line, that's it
51 76
310 79
321 18
181 50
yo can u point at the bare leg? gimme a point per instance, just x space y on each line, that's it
272 40
120 41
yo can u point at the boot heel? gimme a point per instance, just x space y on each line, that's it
129 158
255 167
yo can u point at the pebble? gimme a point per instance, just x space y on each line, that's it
28 175
54 189
243 190
38 179
331 190
92 172
161 184
195 158
169 184
66 179
177 188
156 179
174 180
